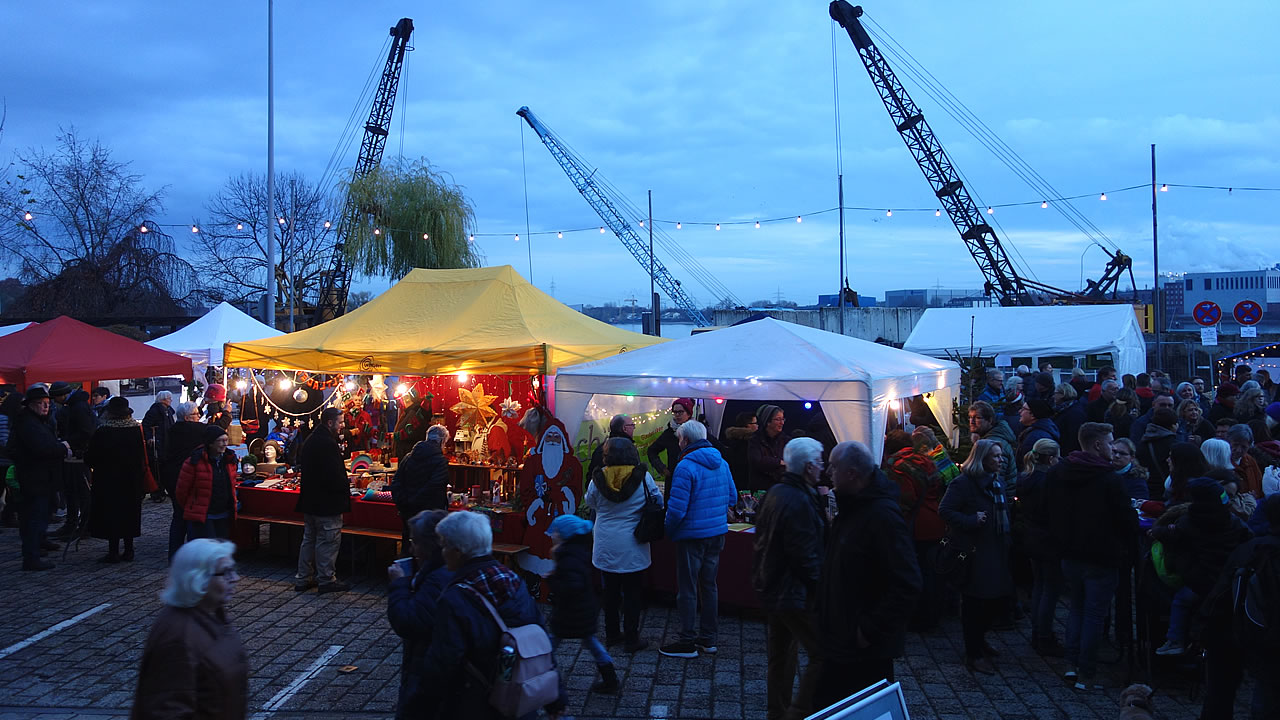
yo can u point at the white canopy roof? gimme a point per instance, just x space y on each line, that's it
203 339
9 329
1034 331
854 380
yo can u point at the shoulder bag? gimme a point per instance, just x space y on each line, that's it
653 517
955 560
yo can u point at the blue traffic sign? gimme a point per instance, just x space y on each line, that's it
1207 313
1248 312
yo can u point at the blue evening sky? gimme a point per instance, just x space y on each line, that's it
724 110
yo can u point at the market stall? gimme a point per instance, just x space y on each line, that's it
203 340
473 349
67 349
853 381
1067 336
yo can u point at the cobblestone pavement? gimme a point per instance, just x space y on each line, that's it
88 669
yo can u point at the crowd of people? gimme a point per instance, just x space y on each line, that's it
851 551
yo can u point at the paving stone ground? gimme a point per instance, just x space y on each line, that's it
89 669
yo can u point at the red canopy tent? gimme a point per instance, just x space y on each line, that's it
67 349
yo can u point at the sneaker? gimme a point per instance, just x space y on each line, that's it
1171 648
680 650
1070 675
706 647
335 586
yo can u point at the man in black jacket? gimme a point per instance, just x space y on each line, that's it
791 530
76 423
870 579
619 426
325 493
37 456
421 481
1094 528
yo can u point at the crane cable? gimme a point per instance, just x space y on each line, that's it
351 129
988 138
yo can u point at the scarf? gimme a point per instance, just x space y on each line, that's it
1000 508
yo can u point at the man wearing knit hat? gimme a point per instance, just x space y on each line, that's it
681 413
1037 423
765 465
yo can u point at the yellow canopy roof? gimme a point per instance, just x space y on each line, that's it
484 320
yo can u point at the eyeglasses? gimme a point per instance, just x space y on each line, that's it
228 571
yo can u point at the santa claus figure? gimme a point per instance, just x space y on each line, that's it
550 485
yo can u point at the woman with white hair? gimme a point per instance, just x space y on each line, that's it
156 423
464 642
194 663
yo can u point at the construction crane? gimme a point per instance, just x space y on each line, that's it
608 212
1002 279
336 284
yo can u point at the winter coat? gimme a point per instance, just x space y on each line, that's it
667 442
597 455
1092 518
1217 411
466 633
193 666
1001 433
575 609
1249 476
1200 542
764 459
736 441
1153 450
1185 431
76 422
195 484
920 489
324 489
117 455
992 397
36 453
411 610
791 534
421 481
870 578
4 442
989 573
616 494
1043 428
157 423
1135 481
701 493
185 437
1037 539
1069 417
218 413
1096 410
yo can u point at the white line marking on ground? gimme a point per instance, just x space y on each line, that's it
60 626
274 704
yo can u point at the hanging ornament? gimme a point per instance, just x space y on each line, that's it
473 408
300 395
378 388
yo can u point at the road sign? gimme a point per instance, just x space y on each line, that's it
1248 312
1207 313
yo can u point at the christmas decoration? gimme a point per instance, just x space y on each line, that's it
473 408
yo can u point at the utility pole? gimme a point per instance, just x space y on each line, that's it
1157 311
270 320
653 293
840 283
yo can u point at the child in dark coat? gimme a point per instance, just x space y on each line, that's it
574 606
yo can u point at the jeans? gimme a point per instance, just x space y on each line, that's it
218 528
625 591
697 562
1184 603
321 538
1046 588
790 630
842 679
593 646
177 527
1090 589
33 521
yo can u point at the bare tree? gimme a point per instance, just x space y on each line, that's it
232 243
83 240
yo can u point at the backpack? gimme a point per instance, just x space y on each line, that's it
1255 602
527 678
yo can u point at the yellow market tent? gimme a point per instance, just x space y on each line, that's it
433 322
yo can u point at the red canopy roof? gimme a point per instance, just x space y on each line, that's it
67 349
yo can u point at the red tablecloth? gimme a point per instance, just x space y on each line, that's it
734 577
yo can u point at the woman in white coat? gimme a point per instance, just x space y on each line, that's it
617 493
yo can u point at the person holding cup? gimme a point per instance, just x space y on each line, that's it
411 607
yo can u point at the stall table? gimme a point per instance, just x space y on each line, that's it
734 576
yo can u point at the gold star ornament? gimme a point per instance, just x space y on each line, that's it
473 407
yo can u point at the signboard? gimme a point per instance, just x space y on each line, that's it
1248 331
1206 313
1247 312
1208 336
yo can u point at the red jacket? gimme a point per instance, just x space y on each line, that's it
920 489
195 485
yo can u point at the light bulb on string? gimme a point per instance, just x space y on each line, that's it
990 210
717 226
426 236
601 229
195 229
27 217
757 224
1044 203
281 220
350 386
473 238
377 231
937 213
517 237
239 226
641 223
242 384
888 213
463 376
1103 196
679 225
560 235
798 218
327 224
142 229
1164 188
285 383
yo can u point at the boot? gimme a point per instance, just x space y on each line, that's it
66 532
608 684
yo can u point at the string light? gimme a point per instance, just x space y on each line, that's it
27 217
757 224
350 386
888 213
937 213
1164 188
285 383
641 223
426 236
679 225
377 231
517 237
239 226
401 389
1044 204
463 376
142 228
717 226
281 221
560 235
799 219
473 238
1103 196
601 229
326 224
242 384
195 229
990 211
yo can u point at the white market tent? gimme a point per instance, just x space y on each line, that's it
10 329
1047 331
203 339
766 360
